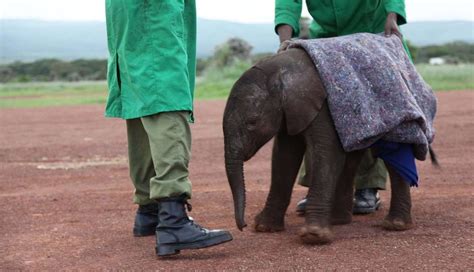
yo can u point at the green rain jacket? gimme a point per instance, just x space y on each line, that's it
339 17
152 47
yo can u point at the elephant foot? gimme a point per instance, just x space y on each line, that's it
341 217
314 234
397 224
341 220
267 223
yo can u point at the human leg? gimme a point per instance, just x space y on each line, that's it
170 143
304 181
141 171
371 177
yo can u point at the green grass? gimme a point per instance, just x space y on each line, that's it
45 94
214 90
214 84
217 82
448 77
34 89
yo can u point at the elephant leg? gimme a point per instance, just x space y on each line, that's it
287 155
399 215
343 202
327 159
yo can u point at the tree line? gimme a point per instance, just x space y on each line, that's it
54 70
224 55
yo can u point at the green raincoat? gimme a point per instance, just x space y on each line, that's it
339 17
152 46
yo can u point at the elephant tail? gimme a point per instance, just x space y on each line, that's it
433 157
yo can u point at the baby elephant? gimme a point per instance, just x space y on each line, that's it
283 96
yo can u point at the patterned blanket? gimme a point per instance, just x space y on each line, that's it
374 91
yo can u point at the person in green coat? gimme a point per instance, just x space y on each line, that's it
151 73
334 18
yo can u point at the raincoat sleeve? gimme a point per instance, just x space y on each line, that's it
288 12
398 7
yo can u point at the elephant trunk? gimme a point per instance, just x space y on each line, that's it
235 175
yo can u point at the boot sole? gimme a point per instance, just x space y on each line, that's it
354 211
173 249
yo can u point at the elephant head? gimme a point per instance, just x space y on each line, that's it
282 92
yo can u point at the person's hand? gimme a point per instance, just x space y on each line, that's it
283 46
285 32
391 26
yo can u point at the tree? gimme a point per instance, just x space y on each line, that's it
230 51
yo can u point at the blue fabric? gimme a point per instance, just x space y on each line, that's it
400 156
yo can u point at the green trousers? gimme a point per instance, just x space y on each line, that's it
371 173
159 149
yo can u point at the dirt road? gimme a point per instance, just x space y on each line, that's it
66 201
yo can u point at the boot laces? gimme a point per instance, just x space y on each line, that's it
197 226
189 207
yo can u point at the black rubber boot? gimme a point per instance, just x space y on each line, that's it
366 201
301 206
176 231
146 220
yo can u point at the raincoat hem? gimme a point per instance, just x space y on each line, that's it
147 112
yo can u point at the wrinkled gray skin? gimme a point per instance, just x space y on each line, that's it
283 97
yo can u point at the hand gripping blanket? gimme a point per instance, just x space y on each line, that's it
374 91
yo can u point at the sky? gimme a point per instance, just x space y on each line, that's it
245 11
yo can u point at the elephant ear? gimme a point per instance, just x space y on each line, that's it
303 93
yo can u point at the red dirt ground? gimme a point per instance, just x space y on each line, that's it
66 201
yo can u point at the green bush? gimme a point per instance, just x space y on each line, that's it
461 52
